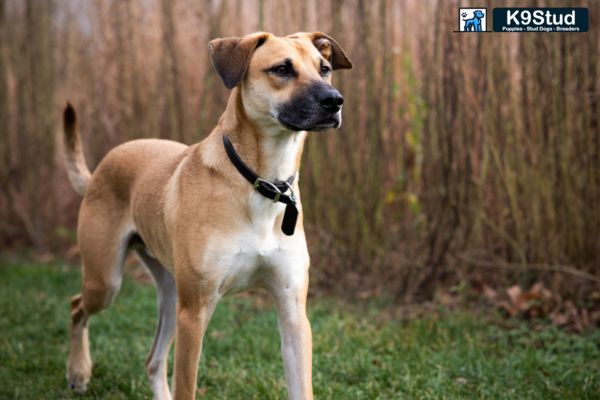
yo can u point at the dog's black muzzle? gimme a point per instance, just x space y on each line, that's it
316 107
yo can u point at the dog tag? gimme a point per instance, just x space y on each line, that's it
289 219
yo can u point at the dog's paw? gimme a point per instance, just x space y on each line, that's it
79 377
77 384
464 15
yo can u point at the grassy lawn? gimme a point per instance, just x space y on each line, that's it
357 353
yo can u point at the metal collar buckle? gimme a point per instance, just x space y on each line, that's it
278 193
292 197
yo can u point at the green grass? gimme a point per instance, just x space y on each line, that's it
357 353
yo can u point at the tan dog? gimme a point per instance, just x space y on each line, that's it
202 229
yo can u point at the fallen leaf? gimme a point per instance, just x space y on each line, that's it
489 293
461 381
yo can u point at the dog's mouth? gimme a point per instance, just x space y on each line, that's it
333 121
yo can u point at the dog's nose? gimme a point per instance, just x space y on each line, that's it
330 99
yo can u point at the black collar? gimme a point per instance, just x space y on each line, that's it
275 191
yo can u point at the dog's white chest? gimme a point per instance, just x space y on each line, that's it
243 260
253 255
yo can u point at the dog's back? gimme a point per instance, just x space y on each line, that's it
129 164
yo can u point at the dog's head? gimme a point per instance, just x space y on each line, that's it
284 81
478 14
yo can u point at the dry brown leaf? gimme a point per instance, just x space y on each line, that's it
489 293
141 275
559 318
461 381
202 390
539 302
514 293
217 334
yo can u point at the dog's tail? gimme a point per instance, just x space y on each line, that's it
78 172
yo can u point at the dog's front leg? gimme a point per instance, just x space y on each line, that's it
192 320
296 340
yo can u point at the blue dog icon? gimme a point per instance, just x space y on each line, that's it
474 24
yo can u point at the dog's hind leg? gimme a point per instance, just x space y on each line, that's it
157 360
79 364
103 244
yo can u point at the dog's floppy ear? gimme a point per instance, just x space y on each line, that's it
331 50
231 56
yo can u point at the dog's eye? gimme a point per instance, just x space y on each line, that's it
282 70
325 69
